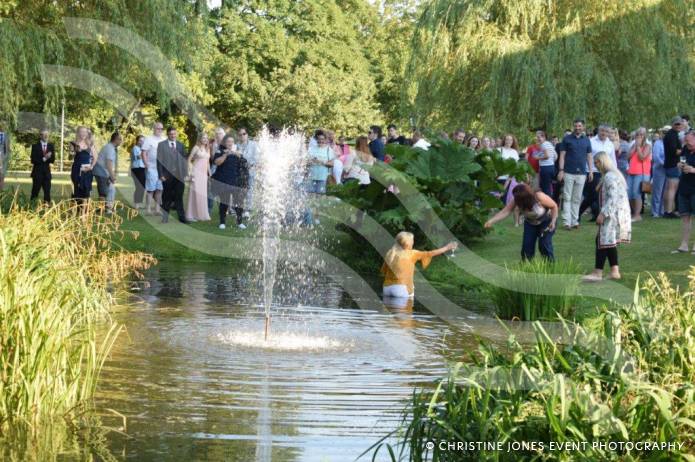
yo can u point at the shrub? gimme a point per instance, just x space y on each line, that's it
453 182
627 377
521 293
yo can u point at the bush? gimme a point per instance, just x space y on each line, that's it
522 295
627 377
449 180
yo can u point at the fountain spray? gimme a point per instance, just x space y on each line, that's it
279 182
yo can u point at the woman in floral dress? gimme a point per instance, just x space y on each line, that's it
614 222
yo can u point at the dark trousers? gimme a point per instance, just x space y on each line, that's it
590 197
537 233
41 181
547 173
172 197
610 254
230 197
138 175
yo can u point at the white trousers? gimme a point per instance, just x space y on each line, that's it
397 291
572 198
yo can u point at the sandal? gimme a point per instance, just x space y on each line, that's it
679 250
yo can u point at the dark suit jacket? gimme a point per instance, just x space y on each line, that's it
39 167
170 164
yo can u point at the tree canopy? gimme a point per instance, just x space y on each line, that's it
503 65
492 65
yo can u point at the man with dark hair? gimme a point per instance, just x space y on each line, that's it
172 166
672 151
460 136
394 137
575 157
42 156
105 171
376 146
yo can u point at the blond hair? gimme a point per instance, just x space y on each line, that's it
606 165
399 247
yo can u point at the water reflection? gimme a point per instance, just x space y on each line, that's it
191 395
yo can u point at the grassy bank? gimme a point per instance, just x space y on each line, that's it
57 268
650 251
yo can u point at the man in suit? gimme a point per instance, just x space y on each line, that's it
172 167
42 156
4 154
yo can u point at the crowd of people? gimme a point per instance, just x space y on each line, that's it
607 173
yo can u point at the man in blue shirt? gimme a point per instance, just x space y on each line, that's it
575 156
376 146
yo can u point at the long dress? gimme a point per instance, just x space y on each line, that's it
81 180
617 223
198 194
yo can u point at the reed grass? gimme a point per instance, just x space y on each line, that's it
627 376
57 269
522 295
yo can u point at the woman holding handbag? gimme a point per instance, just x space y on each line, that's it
639 171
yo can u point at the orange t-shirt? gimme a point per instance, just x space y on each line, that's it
404 268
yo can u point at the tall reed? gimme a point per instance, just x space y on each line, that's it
524 296
56 266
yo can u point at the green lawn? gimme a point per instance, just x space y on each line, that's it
650 251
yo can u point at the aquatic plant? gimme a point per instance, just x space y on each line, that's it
626 377
57 269
521 295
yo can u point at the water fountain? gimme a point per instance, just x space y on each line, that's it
281 198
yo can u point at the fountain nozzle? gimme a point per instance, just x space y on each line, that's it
267 325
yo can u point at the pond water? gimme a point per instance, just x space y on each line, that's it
194 382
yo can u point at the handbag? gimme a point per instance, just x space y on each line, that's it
645 186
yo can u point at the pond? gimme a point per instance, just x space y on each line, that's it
195 383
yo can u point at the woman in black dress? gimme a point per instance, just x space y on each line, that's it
82 165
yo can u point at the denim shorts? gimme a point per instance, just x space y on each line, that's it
634 186
673 172
317 186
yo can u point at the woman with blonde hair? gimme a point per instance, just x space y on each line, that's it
399 264
639 171
83 164
614 220
199 168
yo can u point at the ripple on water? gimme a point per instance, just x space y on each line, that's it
283 341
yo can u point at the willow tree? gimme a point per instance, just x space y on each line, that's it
35 33
512 65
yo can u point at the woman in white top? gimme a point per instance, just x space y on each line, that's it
509 150
357 160
546 160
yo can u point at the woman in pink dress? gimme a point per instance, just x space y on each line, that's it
199 160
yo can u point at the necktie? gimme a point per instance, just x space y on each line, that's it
43 147
173 146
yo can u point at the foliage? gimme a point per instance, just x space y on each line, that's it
295 63
627 376
530 302
450 181
498 65
54 302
